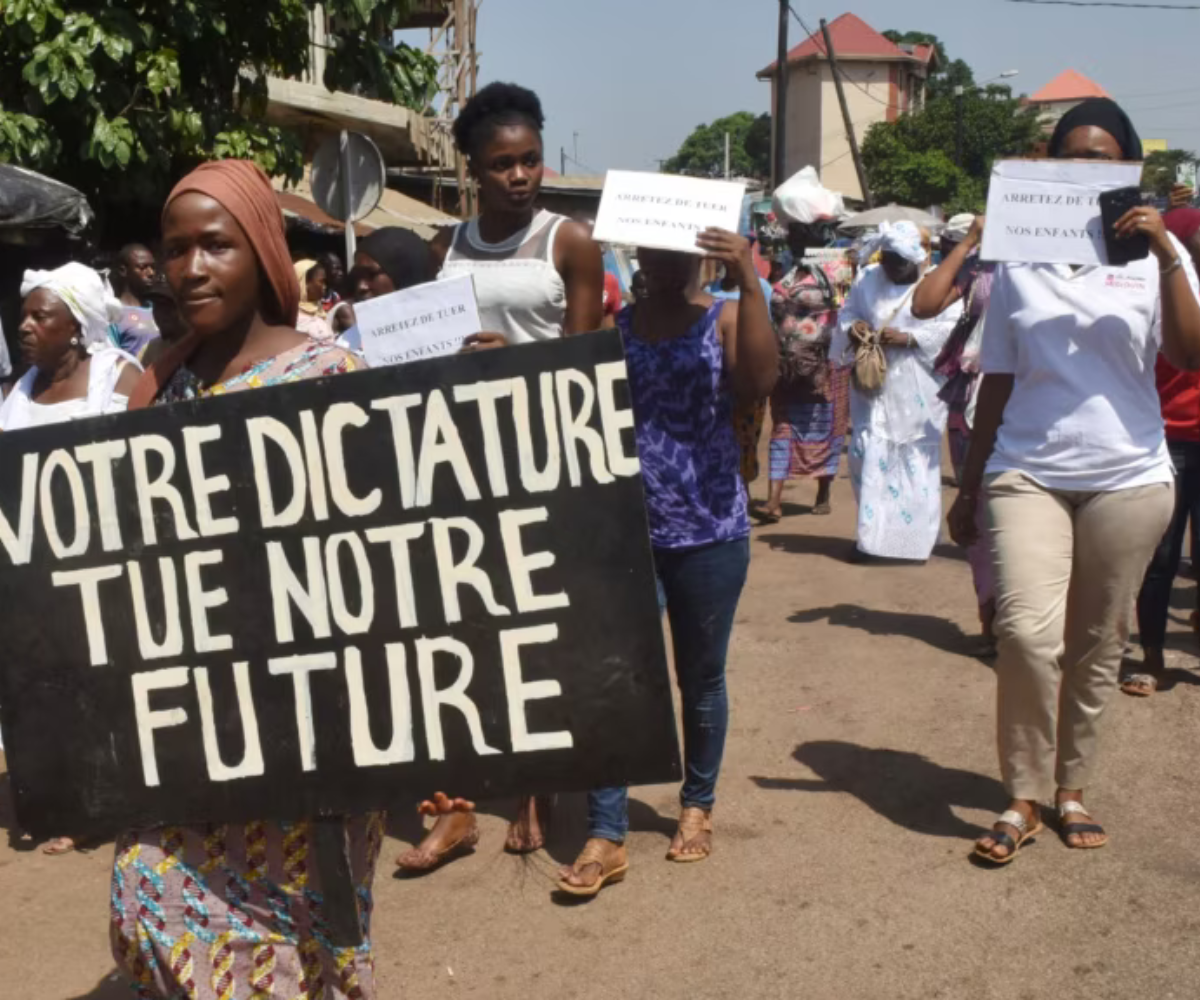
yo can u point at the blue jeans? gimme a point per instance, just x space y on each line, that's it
699 589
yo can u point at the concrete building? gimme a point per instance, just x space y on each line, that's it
882 81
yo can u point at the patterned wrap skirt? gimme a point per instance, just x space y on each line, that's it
233 912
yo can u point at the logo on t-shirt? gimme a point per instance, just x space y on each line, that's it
1125 281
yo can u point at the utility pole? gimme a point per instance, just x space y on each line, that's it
727 156
959 111
563 151
841 95
779 170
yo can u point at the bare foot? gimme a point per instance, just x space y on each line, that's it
1089 834
988 845
59 845
527 833
454 833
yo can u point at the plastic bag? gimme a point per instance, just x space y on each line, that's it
804 199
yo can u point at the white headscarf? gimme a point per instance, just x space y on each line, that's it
957 228
900 238
86 294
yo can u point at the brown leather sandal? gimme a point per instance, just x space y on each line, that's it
692 822
614 863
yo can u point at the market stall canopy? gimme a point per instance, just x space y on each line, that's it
875 217
395 209
30 200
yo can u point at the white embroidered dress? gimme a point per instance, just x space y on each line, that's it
896 440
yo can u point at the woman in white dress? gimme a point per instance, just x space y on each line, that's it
74 372
895 450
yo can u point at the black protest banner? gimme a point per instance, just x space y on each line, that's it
333 596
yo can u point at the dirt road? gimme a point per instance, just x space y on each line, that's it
860 766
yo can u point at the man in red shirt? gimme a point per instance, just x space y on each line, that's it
1180 395
613 301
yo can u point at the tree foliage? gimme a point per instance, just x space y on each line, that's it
1159 174
949 73
703 152
911 161
119 97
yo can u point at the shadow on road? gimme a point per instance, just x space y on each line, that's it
936 632
114 986
841 549
905 788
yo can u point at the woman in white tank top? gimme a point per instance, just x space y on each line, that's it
538 276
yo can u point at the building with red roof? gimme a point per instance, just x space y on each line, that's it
1063 93
882 81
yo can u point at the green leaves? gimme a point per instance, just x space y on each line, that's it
26 140
120 97
912 160
703 152
111 142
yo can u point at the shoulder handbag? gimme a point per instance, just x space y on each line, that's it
870 363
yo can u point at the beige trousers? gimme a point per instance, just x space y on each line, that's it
1068 568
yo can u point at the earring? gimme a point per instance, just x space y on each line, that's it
74 341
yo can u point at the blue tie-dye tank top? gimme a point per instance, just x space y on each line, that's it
689 453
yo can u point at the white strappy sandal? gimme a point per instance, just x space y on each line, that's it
1001 839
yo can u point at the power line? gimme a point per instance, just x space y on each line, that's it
1107 3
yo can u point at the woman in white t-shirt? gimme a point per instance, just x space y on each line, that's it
1079 486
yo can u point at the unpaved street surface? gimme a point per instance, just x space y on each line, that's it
860 766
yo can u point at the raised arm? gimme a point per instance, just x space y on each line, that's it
940 289
751 353
581 265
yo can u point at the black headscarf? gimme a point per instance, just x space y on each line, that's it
1103 114
403 255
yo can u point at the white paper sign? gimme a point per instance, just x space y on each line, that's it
665 211
425 321
1048 212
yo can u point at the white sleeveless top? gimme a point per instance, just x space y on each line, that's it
520 292
20 411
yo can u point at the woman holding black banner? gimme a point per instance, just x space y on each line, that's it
538 276
232 910
1069 451
689 357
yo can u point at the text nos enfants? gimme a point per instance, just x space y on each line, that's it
115 497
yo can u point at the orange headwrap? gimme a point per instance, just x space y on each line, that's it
245 193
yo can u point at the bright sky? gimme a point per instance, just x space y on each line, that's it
634 77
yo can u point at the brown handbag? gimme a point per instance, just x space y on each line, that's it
870 362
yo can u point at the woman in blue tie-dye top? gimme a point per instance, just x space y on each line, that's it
689 355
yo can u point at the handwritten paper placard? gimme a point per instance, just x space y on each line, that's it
665 211
1048 211
426 321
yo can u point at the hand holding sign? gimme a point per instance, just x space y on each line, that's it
733 251
483 341
1146 221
